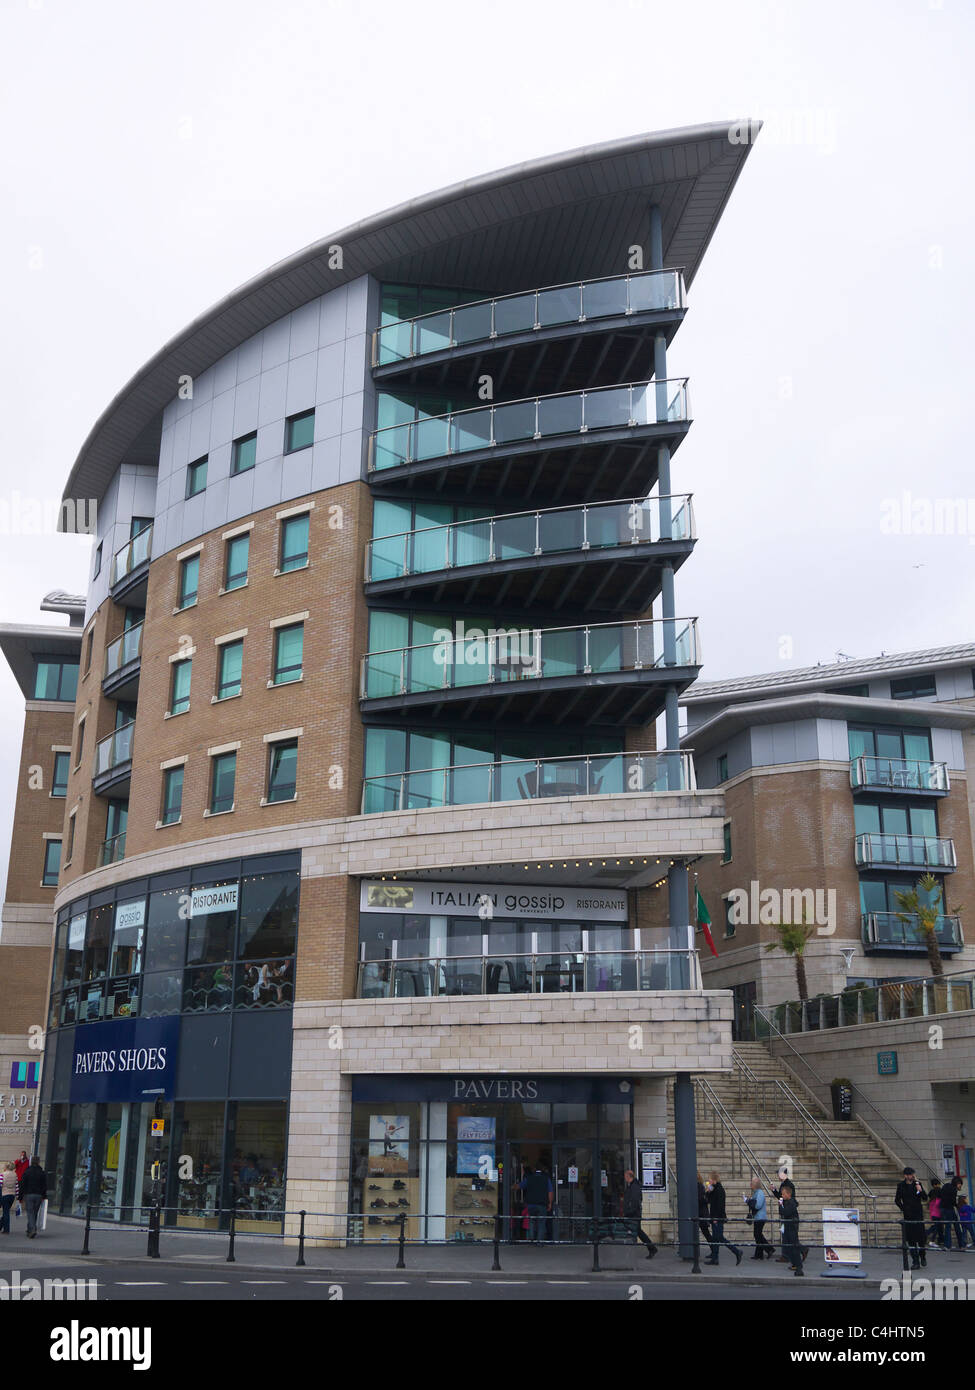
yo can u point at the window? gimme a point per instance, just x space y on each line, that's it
726 856
282 778
230 664
244 454
723 767
288 653
81 742
189 581
235 573
861 691
59 784
913 688
137 525
299 431
179 701
196 477
294 543
52 862
55 680
730 926
88 648
71 824
98 561
889 742
172 806
223 775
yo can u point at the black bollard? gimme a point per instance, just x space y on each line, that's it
301 1241
904 1260
497 1244
152 1244
231 1257
595 1247
84 1248
401 1261
696 1242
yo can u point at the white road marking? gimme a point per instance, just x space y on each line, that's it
263 1281
139 1283
448 1281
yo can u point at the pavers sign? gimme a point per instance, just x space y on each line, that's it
124 1060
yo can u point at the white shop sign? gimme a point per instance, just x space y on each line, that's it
130 914
544 902
203 901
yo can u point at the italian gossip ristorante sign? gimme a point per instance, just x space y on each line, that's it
530 902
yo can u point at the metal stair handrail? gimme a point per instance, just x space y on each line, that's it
739 1143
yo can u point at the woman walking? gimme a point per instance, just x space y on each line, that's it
8 1195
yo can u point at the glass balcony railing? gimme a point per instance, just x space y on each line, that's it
870 1004
557 972
526 779
484 320
908 851
113 751
499 655
113 849
891 929
523 535
899 774
126 648
131 556
542 417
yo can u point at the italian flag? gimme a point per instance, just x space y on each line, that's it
704 920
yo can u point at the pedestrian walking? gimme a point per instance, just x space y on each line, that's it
633 1211
33 1190
717 1210
702 1209
789 1210
934 1213
966 1215
8 1195
949 1215
758 1215
909 1200
537 1191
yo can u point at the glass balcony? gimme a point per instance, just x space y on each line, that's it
517 422
871 1004
115 750
889 929
524 535
899 775
506 655
905 851
126 648
575 972
112 849
486 320
598 774
132 555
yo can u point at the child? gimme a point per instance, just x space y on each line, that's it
966 1215
934 1211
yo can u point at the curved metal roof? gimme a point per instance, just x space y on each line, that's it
565 217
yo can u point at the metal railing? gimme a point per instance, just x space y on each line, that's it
124 649
525 535
725 1133
505 655
891 929
899 774
911 851
132 555
540 972
112 849
540 417
115 749
916 998
483 320
527 779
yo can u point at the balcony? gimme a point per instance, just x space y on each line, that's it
113 761
615 672
605 557
573 972
586 445
123 662
562 336
888 931
899 775
921 852
526 780
112 850
130 569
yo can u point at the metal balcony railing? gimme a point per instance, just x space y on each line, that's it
124 649
132 555
602 774
115 750
890 929
913 998
542 972
484 320
899 774
505 655
542 417
112 849
908 851
524 535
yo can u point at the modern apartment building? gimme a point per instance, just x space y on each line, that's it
374 881
843 785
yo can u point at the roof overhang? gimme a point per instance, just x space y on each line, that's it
21 643
733 719
565 217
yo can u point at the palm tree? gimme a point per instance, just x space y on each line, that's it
792 938
922 903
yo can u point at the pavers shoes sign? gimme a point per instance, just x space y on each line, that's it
544 904
124 1060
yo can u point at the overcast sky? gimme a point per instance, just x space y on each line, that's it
157 155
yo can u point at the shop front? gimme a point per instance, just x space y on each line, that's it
453 1153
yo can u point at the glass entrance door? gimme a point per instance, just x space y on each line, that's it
574 1176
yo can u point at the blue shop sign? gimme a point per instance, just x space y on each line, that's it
129 1059
559 1090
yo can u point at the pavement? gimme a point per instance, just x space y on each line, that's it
110 1244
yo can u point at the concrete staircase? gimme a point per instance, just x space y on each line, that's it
766 1120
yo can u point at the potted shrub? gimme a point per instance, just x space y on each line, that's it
841 1092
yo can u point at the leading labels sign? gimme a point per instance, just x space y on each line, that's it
129 1059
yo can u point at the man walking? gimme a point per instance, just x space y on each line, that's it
34 1191
717 1210
789 1208
537 1193
633 1210
909 1199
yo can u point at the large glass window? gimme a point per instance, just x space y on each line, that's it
59 783
914 688
230 665
288 653
294 542
55 679
172 807
199 1133
52 863
129 938
258 1165
282 777
235 572
179 700
97 939
211 934
223 776
189 581
268 914
166 927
